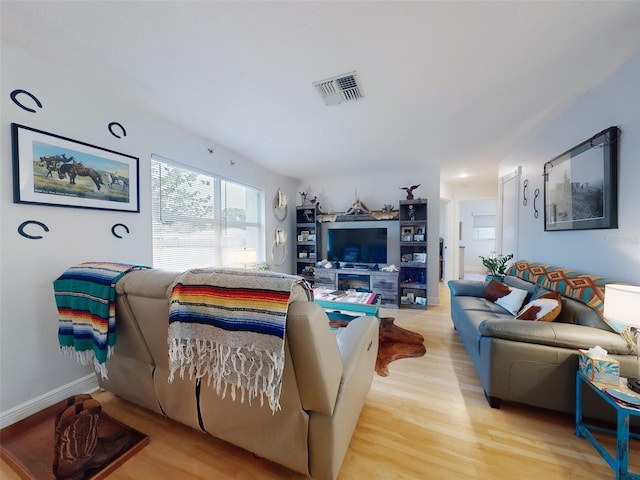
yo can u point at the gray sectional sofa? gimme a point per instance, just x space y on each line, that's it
533 362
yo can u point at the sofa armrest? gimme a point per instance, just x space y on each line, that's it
359 338
315 355
467 288
554 334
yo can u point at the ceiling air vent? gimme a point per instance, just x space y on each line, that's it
342 88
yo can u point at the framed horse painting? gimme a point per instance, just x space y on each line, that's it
49 169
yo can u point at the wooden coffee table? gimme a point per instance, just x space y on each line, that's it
362 303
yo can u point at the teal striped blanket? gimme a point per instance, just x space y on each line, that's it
85 297
228 326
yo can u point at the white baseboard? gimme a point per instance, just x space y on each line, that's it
86 384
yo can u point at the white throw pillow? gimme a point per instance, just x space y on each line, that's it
513 300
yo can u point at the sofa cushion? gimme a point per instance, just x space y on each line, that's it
545 308
521 284
510 298
495 290
555 334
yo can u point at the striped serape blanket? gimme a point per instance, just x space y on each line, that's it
85 297
228 325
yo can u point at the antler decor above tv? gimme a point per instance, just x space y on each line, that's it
359 211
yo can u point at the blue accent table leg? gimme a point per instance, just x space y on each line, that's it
619 464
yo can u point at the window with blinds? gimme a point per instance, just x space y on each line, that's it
484 226
203 220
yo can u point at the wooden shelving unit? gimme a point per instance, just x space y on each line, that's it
307 237
412 283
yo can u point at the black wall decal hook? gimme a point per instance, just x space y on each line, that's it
17 92
31 237
524 193
113 229
116 124
536 194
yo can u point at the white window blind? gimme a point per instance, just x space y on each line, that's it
484 226
203 220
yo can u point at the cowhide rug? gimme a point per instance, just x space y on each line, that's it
394 343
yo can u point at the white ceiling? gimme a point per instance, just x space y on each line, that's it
457 84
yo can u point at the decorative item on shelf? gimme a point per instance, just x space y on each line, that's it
418 237
304 198
384 215
327 217
412 213
387 208
357 208
420 257
410 190
308 215
390 268
496 265
622 305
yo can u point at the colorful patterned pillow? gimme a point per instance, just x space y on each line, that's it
545 308
507 297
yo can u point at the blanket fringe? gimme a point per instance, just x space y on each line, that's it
88 357
226 368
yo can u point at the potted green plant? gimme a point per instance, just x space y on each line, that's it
496 265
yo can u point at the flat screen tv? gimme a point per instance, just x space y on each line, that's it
357 245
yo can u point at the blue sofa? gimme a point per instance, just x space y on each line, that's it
533 362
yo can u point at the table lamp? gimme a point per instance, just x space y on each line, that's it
622 305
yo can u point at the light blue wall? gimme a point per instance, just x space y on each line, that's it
613 253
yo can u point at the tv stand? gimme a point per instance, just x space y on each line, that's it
383 283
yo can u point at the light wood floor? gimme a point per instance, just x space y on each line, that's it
427 420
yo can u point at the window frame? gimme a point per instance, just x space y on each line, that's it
219 223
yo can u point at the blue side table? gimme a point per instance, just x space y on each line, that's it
620 464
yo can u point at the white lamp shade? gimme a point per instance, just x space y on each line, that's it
622 304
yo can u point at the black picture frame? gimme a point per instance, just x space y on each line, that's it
50 169
581 185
